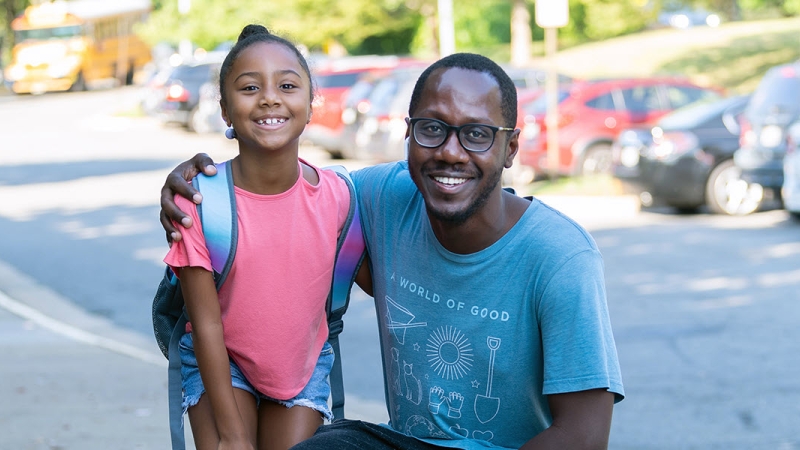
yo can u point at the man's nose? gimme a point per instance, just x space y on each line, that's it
451 150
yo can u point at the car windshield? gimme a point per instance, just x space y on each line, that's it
358 92
777 93
539 106
191 73
42 34
337 80
696 113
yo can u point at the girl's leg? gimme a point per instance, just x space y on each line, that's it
279 427
204 428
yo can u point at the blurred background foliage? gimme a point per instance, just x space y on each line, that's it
407 26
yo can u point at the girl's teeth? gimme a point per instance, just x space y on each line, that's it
271 121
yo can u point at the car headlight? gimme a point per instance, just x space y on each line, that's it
771 136
15 72
64 67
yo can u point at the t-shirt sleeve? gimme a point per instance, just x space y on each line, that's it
577 340
191 251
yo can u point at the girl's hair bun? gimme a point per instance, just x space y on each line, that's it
251 30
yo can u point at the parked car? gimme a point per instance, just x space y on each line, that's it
791 172
187 84
333 80
380 131
774 106
686 160
591 113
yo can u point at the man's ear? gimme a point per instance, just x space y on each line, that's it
512 148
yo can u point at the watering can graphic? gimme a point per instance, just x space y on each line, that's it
486 406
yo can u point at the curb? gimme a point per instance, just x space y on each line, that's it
24 297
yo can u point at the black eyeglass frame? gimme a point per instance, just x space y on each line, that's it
412 121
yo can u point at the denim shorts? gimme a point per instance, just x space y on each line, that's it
314 395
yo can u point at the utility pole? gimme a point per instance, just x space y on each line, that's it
447 34
185 45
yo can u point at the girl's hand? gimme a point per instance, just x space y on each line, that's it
178 183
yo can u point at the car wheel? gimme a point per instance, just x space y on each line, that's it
198 122
597 160
728 193
79 85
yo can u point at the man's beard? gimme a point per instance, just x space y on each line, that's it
459 217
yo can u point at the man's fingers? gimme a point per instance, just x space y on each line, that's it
203 163
173 235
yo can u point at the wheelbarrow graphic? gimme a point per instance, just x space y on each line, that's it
400 319
486 406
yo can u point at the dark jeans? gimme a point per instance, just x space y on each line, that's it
354 434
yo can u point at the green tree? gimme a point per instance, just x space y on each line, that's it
314 23
11 9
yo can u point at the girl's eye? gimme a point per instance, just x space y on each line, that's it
250 88
287 86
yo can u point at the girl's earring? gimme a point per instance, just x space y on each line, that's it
230 133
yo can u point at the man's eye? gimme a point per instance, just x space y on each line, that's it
476 133
433 129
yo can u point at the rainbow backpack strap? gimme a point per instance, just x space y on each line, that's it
350 251
220 227
218 216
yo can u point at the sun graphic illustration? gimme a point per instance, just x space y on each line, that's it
449 353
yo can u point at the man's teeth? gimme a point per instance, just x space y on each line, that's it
450 181
270 121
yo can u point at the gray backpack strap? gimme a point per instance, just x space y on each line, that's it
220 228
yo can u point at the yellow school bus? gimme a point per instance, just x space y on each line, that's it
69 45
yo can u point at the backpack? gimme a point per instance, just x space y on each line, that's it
219 221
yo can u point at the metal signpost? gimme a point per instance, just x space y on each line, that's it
552 15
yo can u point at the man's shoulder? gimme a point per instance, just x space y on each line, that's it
552 228
384 176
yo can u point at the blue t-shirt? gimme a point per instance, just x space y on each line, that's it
472 344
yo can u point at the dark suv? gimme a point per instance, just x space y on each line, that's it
191 95
774 106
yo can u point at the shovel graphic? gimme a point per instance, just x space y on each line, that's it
486 406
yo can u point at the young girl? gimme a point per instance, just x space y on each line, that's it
256 360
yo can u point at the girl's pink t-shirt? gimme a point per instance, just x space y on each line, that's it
273 301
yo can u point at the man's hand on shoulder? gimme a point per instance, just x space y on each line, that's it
177 183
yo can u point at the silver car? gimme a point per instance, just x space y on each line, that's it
791 172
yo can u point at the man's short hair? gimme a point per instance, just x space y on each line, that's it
478 63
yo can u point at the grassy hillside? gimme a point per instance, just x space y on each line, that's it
734 55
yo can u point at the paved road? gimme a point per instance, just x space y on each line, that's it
705 308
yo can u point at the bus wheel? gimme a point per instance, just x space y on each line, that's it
79 84
129 76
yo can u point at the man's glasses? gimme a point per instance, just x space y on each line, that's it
475 137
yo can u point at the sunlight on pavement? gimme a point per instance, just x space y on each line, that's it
136 189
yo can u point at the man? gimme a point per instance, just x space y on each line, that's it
492 310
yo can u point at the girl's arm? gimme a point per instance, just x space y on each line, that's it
202 307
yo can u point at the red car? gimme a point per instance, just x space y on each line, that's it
590 115
333 81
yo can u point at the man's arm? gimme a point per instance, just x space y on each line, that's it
178 183
581 420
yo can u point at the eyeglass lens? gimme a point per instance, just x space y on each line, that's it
432 133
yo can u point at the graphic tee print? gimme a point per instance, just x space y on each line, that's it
472 344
